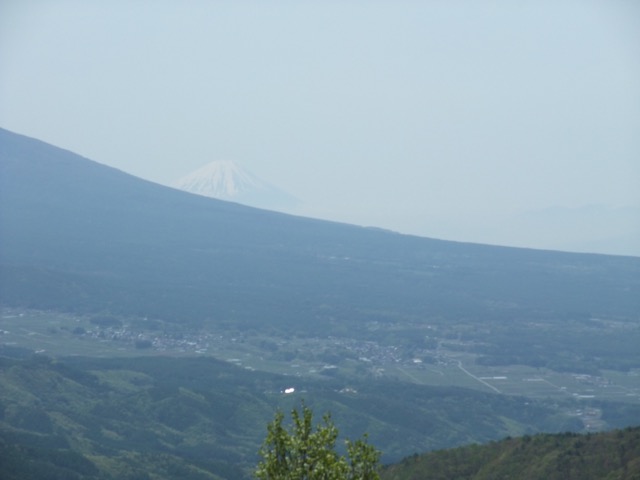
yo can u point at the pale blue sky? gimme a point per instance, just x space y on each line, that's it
454 119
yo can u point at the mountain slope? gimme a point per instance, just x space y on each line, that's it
607 455
143 414
80 236
225 180
77 236
200 418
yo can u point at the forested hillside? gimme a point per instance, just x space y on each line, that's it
608 455
131 417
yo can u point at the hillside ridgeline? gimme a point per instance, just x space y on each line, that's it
602 456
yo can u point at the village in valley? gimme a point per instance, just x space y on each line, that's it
443 359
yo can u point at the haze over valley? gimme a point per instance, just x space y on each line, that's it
515 125
420 218
103 272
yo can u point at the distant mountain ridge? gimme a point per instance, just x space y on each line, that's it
79 235
226 180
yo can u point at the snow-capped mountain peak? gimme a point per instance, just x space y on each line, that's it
226 180
222 179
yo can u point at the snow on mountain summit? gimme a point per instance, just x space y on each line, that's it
221 179
226 180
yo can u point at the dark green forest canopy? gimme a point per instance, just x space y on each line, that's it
137 414
89 418
565 456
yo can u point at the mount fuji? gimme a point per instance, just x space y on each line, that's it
226 180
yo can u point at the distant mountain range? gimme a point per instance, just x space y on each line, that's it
82 236
226 180
103 246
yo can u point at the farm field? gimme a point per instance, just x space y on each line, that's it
55 334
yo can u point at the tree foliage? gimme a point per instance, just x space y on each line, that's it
303 452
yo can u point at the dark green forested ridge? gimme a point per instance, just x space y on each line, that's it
156 415
613 455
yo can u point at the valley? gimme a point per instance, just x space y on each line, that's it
119 391
147 332
443 360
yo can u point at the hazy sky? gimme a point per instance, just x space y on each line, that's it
471 120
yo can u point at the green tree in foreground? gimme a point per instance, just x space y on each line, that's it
305 453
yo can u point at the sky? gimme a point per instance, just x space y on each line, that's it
512 123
